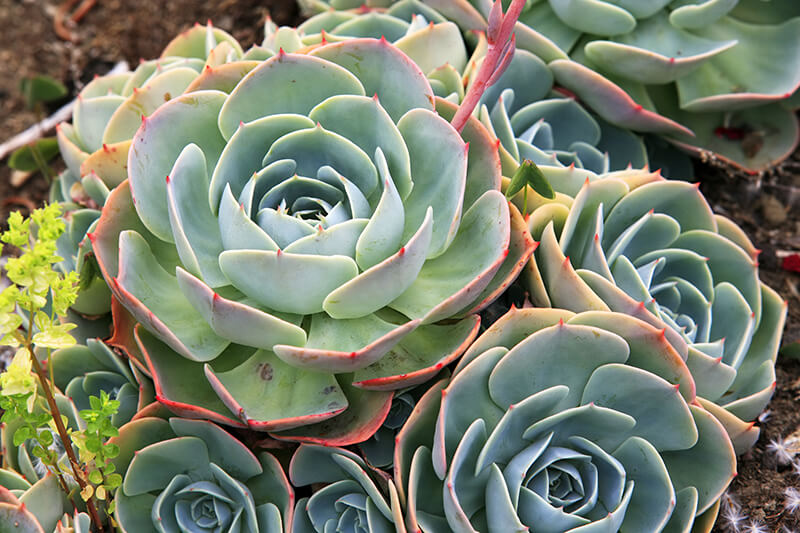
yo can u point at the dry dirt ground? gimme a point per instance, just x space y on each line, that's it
767 207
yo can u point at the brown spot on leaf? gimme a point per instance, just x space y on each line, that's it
265 371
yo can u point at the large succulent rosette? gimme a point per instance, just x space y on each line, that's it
715 77
191 475
636 243
292 248
575 422
348 495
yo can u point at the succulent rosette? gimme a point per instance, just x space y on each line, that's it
36 508
535 123
421 33
636 243
303 242
20 461
107 113
378 450
715 77
348 495
82 371
576 422
191 475
109 109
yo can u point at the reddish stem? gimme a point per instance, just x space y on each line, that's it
490 63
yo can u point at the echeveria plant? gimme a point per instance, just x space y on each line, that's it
304 248
718 78
82 371
636 243
581 421
191 475
349 495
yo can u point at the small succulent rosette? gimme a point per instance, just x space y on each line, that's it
19 460
378 450
191 475
636 243
292 247
110 109
107 113
347 494
425 36
36 508
535 123
715 78
555 421
82 371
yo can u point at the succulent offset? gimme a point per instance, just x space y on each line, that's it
636 243
354 496
557 437
305 247
191 475
717 78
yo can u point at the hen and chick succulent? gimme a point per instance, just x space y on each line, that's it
296 246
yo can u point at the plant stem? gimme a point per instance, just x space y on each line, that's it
62 431
489 65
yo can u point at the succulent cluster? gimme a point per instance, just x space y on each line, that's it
299 252
716 78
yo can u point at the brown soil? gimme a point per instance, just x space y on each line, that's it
768 208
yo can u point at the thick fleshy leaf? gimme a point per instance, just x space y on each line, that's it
181 384
382 68
243 154
162 88
439 182
367 411
419 356
237 321
158 143
159 304
280 77
379 285
449 282
269 395
713 453
298 283
540 362
610 101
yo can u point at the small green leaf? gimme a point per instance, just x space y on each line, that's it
21 435
111 451
23 158
45 438
529 174
113 481
96 477
41 88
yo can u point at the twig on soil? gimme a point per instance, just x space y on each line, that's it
38 130
19 200
61 13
